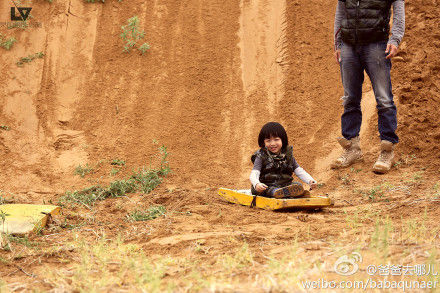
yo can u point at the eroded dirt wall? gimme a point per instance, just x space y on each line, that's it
215 73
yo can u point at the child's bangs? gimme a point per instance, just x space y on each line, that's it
272 129
274 133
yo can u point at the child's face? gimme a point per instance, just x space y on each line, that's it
273 144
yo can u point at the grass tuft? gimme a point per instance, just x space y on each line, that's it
150 214
82 171
114 171
29 58
144 180
87 196
117 162
7 43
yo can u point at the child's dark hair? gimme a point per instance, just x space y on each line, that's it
272 129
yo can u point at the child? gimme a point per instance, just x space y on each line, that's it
274 164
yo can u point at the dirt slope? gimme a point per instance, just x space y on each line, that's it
212 77
215 73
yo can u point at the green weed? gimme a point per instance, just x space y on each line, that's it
92 194
117 162
374 193
82 171
377 192
5 127
22 240
131 34
29 58
87 196
3 216
7 43
149 179
150 214
144 180
114 171
120 188
144 48
413 180
345 179
352 169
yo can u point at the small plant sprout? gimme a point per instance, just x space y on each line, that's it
118 162
150 214
131 34
145 180
144 48
3 216
82 171
7 43
29 58
114 171
5 127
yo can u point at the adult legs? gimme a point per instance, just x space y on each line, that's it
352 73
378 69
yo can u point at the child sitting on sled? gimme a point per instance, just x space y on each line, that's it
274 164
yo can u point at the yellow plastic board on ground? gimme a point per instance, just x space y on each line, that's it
20 219
244 197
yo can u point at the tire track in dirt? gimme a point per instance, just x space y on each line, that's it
176 93
262 51
311 107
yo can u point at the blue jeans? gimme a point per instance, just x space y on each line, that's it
371 58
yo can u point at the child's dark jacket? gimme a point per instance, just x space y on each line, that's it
276 170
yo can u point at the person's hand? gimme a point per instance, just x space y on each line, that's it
313 184
391 51
338 55
260 187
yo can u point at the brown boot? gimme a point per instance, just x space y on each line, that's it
352 153
386 157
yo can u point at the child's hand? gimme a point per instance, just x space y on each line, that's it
260 187
313 184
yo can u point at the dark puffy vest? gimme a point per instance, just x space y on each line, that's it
366 21
275 171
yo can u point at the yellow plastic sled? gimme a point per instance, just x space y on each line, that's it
244 197
20 219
